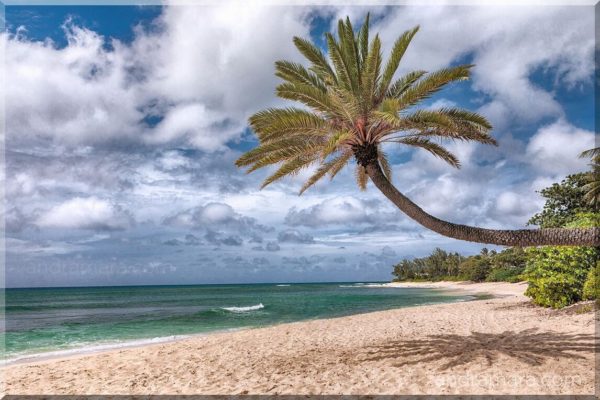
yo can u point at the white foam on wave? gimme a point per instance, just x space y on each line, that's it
244 309
90 348
282 285
86 348
385 285
365 285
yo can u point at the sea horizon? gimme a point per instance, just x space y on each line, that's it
196 284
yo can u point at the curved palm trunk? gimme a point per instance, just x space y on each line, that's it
521 237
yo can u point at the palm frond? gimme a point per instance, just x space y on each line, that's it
433 148
342 70
453 134
340 163
450 123
403 83
335 141
363 40
349 50
320 65
271 153
345 103
388 113
372 70
290 167
296 74
428 119
385 165
432 83
306 94
396 55
476 120
592 193
591 153
321 171
276 123
281 155
592 188
361 177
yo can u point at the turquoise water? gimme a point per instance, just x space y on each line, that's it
51 319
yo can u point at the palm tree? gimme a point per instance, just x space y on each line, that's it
353 106
592 189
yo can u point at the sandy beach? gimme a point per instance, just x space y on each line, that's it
502 345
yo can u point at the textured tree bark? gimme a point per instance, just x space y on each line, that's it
521 237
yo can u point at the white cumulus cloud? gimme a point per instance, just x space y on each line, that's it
86 213
555 148
198 83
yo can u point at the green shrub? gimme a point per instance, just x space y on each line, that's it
504 274
585 220
591 287
556 291
556 274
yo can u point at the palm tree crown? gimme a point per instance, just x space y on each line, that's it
592 188
354 106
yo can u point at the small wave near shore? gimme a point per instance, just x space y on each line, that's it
244 309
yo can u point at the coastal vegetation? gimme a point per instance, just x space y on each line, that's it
353 105
592 187
491 266
557 276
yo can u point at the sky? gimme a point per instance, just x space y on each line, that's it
123 125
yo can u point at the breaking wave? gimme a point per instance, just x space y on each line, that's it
244 309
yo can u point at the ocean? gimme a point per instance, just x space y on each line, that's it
60 321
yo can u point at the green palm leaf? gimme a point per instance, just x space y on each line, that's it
432 83
396 55
321 171
276 150
350 52
306 94
342 70
288 168
433 148
363 40
403 83
371 77
320 66
276 123
296 74
340 162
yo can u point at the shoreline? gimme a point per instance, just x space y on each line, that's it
447 348
497 289
108 347
97 348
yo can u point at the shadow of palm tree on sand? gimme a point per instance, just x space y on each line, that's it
528 346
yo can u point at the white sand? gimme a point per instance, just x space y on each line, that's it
499 346
495 288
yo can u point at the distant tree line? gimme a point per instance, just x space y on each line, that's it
491 266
